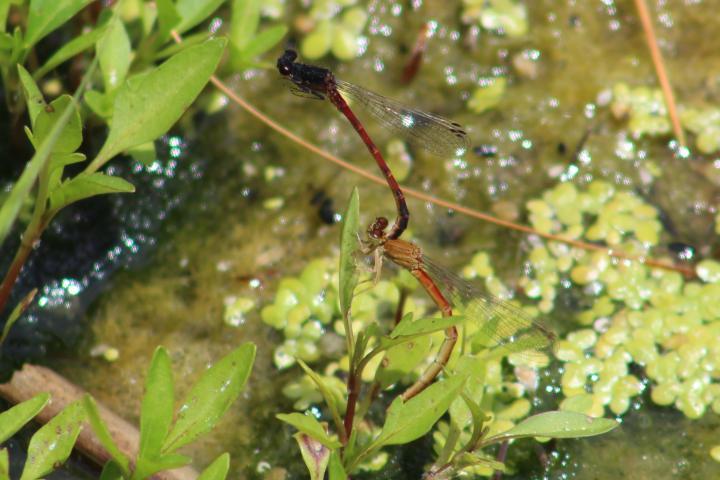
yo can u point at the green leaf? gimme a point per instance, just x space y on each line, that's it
187 42
348 245
309 425
100 104
71 136
156 413
69 50
53 442
147 105
111 471
193 12
45 16
336 470
262 42
103 435
211 396
402 359
330 400
556 425
15 418
20 192
4 9
159 464
218 469
85 186
144 153
424 326
4 465
315 455
407 421
114 52
33 97
15 314
244 23
168 18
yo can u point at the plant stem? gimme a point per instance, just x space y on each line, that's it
660 70
353 394
29 237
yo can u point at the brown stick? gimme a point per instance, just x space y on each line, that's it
33 379
660 71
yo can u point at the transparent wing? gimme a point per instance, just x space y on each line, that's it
501 324
435 134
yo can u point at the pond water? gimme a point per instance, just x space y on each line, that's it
205 229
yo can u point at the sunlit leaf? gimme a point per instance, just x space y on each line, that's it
53 442
14 418
86 186
71 136
188 41
218 469
147 105
556 425
193 12
44 16
156 413
113 51
348 245
103 434
69 50
409 420
15 314
33 97
309 425
315 455
211 396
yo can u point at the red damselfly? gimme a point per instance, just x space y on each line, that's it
431 132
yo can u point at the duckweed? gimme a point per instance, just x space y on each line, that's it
507 17
335 29
487 95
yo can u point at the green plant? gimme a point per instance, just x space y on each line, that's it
121 86
160 436
461 393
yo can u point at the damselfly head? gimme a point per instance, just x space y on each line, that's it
376 229
284 63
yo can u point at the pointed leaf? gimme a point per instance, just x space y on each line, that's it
33 97
15 314
13 419
556 425
69 50
330 400
45 16
53 442
309 425
348 245
113 51
218 469
407 421
85 186
103 435
147 105
193 12
71 136
315 455
156 413
211 396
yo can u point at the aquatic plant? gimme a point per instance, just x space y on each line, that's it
162 429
